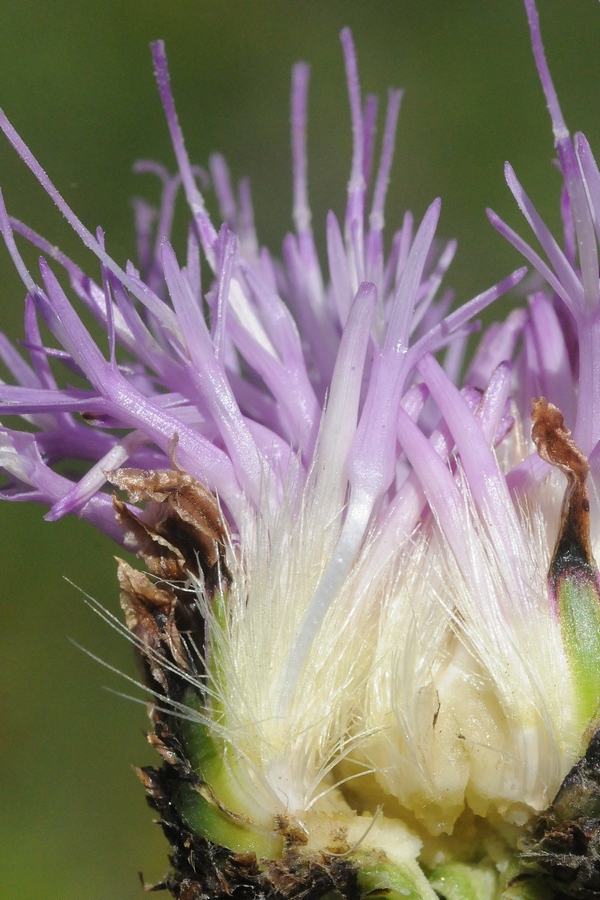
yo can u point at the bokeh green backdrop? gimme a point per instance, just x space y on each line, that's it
76 80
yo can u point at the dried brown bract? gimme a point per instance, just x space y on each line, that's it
150 615
553 440
554 444
181 530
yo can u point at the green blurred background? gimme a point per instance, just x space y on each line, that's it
76 80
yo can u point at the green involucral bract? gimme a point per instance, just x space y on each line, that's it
578 602
216 809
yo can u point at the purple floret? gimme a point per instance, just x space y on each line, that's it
292 368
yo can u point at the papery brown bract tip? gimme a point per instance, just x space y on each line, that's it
555 445
151 617
180 532
553 440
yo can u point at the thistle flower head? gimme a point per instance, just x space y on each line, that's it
367 590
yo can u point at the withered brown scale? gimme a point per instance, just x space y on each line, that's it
181 530
554 444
